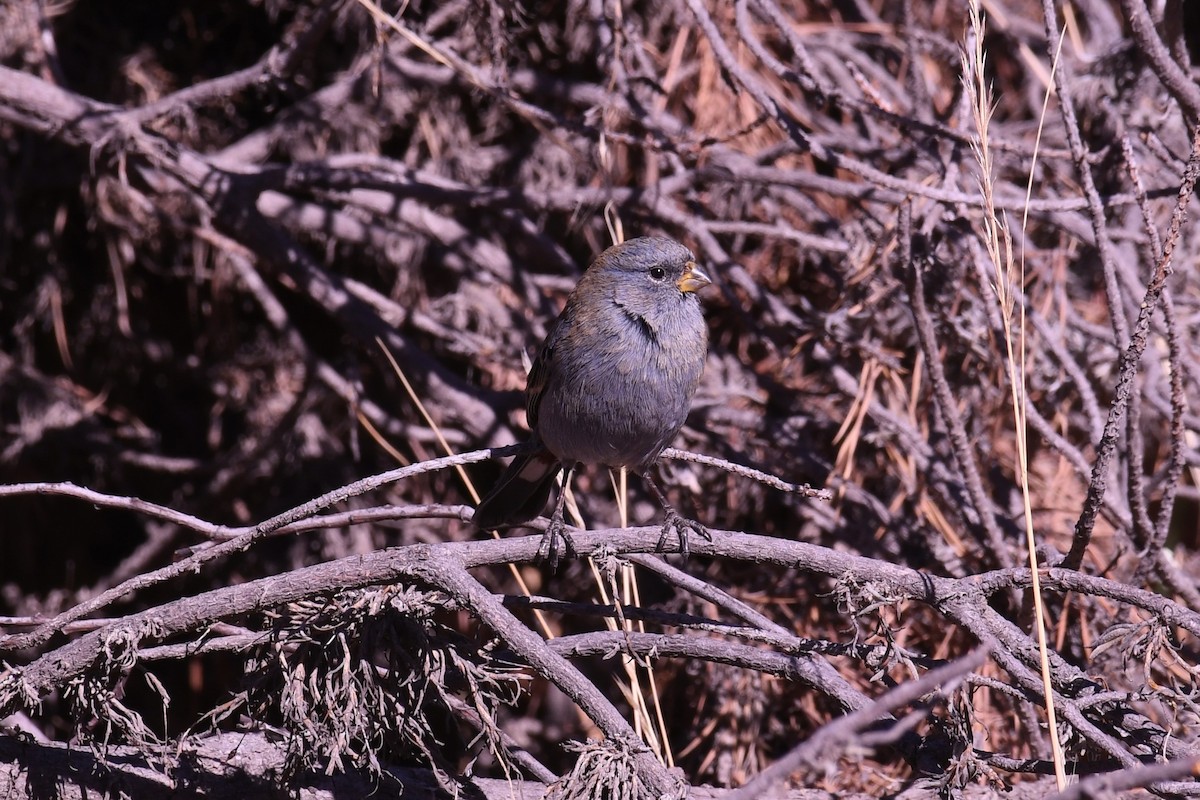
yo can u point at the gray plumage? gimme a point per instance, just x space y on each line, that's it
614 379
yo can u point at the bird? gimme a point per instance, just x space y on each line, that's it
612 384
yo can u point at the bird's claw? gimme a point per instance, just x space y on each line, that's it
681 525
547 551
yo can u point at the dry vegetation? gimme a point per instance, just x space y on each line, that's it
213 214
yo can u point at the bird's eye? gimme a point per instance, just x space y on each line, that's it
657 273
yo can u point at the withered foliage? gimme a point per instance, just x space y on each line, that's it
216 217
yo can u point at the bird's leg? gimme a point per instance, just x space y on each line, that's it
674 520
557 529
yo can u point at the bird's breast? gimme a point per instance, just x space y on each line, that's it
619 399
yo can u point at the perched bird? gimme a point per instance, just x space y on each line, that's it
612 383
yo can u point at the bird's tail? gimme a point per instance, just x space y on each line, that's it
521 493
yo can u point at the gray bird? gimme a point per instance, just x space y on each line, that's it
612 383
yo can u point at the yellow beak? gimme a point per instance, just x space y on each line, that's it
692 279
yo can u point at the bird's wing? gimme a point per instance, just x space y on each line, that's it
539 373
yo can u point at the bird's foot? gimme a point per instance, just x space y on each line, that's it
681 525
556 531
